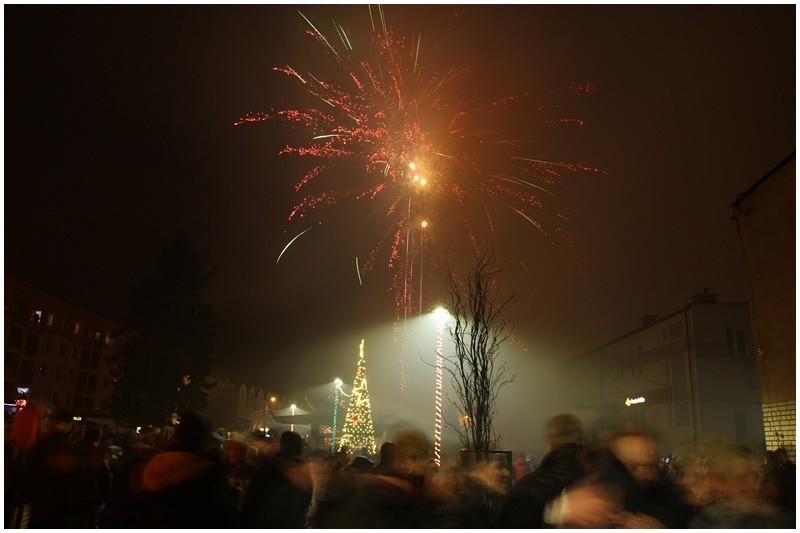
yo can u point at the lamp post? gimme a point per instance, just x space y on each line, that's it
337 384
423 225
441 315
270 408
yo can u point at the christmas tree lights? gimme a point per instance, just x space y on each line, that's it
358 432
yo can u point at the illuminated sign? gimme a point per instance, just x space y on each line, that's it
631 401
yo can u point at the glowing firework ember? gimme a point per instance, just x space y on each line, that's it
387 127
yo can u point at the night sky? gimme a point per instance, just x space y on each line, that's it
119 135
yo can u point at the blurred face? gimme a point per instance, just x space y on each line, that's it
740 481
492 476
235 452
639 455
695 485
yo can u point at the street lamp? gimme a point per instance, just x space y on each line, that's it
293 408
337 385
423 225
441 315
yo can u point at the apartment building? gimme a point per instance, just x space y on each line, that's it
765 218
689 374
56 354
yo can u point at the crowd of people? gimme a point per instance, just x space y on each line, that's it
188 475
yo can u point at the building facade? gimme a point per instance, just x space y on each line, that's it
765 220
684 376
56 354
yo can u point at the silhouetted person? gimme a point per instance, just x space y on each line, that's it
558 469
279 493
729 477
394 499
182 487
69 479
476 500
386 461
522 467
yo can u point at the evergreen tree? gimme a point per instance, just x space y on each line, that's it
358 430
166 353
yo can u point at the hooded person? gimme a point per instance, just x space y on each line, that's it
183 487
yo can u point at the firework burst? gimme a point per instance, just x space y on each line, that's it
386 126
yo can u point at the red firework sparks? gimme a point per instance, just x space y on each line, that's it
387 126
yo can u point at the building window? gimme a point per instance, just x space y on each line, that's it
85 358
95 362
73 352
102 383
66 324
12 362
98 335
81 385
66 400
37 316
91 384
54 398
76 329
737 347
70 376
78 403
59 373
26 371
45 345
31 345
50 319
43 371
60 349
15 336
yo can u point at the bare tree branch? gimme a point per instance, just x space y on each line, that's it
478 329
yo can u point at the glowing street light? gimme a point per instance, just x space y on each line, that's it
337 384
294 409
441 315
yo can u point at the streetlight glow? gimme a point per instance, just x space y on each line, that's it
441 315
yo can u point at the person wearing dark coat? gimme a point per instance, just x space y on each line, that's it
561 467
477 499
279 494
70 479
392 500
183 487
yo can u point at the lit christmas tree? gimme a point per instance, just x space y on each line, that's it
358 431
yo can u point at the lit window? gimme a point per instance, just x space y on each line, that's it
76 328
36 316
50 318
98 335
